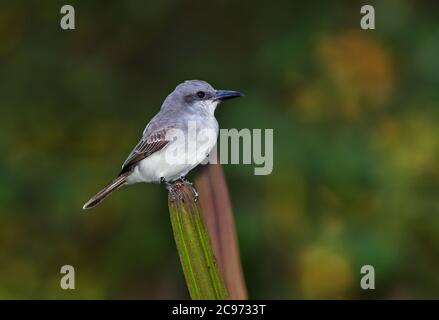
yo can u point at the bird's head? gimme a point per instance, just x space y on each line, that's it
198 94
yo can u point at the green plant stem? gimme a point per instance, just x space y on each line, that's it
200 268
216 209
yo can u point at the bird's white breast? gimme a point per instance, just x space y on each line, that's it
179 156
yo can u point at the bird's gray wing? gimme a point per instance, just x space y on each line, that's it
149 144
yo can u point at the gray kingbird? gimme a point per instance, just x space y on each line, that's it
193 103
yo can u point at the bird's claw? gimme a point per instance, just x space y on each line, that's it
182 178
196 195
174 187
174 191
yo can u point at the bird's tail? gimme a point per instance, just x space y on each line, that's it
98 197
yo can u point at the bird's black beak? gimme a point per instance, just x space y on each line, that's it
222 95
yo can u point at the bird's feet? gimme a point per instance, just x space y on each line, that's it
175 187
182 178
174 190
196 195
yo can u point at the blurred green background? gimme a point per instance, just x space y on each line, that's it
356 144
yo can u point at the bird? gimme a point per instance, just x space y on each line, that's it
163 154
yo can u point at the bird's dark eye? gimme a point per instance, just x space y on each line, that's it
201 94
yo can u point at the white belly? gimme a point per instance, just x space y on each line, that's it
176 159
